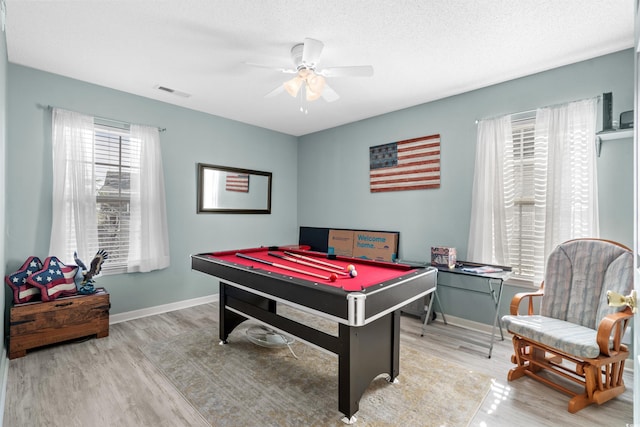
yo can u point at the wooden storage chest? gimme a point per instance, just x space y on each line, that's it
37 324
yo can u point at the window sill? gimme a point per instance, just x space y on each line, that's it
113 270
522 283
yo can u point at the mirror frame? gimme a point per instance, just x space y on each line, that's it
201 209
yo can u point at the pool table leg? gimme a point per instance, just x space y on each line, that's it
229 319
366 352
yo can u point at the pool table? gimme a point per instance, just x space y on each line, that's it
366 307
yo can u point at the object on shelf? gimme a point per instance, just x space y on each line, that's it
626 120
443 257
484 269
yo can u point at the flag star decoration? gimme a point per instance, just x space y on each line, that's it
412 164
54 279
23 291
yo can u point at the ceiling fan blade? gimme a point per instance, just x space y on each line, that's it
271 67
277 91
329 94
311 52
348 71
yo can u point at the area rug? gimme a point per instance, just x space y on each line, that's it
243 384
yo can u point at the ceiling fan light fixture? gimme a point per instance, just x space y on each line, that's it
311 95
293 86
315 83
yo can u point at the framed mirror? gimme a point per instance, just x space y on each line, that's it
223 189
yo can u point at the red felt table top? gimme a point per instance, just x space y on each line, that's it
370 273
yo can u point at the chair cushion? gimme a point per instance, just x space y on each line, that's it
567 337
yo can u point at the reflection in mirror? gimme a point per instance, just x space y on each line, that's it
224 189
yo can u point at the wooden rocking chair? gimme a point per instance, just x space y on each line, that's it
577 336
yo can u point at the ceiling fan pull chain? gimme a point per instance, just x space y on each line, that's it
302 108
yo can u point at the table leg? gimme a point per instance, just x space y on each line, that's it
496 320
367 351
434 295
229 319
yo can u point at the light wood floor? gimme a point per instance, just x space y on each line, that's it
109 382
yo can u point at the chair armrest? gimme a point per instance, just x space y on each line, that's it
517 299
613 326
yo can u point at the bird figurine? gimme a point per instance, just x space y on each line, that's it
615 299
84 277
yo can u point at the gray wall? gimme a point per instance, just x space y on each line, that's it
190 138
3 185
333 165
319 179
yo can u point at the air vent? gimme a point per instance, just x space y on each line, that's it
173 91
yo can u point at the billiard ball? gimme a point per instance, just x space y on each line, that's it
333 277
353 273
350 267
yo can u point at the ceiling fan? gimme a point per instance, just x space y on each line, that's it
311 79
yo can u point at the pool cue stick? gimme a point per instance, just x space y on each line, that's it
328 264
309 264
284 267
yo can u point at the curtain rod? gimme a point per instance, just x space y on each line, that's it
598 97
508 114
50 107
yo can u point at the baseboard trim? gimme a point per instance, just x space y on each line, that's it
159 309
468 324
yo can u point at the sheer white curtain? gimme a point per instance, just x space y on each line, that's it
148 235
564 177
75 206
74 218
571 208
488 233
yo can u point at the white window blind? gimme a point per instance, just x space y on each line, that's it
520 198
115 161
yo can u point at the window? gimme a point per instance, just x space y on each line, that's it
108 193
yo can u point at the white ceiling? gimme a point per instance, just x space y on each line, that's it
421 50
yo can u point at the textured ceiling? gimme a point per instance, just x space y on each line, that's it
420 50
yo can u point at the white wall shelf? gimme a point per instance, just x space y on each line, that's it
606 135
609 135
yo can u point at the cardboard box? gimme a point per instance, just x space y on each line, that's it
340 242
443 257
376 246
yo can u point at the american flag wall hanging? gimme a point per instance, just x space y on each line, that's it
412 164
237 182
